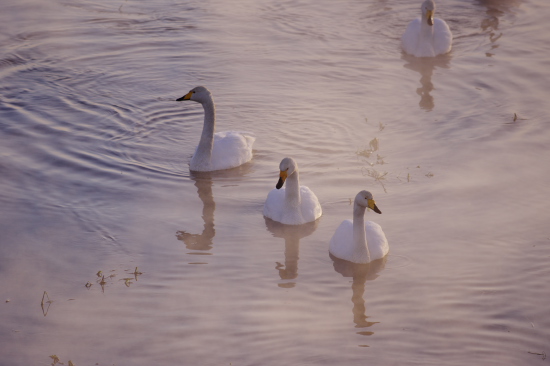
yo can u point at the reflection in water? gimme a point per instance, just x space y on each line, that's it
361 273
203 182
425 66
292 235
495 9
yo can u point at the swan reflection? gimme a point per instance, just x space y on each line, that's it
360 273
204 181
425 66
203 241
292 235
490 24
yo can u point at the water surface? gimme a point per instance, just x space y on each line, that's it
94 177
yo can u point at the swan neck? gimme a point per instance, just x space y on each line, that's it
426 29
292 191
359 234
207 138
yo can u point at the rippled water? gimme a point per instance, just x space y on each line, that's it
94 177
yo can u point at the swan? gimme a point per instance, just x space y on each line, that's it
293 204
427 36
360 241
221 150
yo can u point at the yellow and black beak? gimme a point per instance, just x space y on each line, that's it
282 178
430 17
372 206
185 97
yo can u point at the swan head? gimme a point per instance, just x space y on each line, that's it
428 10
365 199
287 167
198 94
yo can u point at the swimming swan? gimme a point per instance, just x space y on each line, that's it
217 151
427 36
293 204
360 241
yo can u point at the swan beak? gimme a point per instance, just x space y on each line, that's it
430 16
185 97
372 206
282 178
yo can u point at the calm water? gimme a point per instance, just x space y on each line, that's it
94 177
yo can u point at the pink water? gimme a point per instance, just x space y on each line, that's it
94 177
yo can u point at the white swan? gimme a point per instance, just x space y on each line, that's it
360 241
293 204
217 151
427 36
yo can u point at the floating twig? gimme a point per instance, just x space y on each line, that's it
538 354
47 302
377 176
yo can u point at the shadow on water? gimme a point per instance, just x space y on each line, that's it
204 182
425 66
292 235
361 273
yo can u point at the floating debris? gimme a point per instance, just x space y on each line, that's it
374 144
55 359
99 274
48 302
127 281
538 354
102 283
136 273
88 285
377 176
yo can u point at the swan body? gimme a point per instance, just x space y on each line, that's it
427 36
358 241
217 151
293 204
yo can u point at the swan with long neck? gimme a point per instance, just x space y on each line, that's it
217 151
427 36
360 241
292 204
